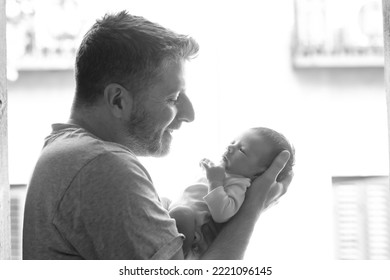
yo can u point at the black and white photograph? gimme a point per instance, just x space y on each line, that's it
248 138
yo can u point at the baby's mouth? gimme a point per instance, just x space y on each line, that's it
225 160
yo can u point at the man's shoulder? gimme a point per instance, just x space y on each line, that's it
73 139
74 153
74 147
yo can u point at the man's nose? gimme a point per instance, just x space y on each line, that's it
185 110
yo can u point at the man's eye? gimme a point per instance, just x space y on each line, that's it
242 151
173 101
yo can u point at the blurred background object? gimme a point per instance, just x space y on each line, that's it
331 33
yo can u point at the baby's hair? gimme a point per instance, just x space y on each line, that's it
280 143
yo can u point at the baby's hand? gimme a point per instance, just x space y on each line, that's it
215 173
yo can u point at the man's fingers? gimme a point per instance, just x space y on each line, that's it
286 181
265 189
277 190
277 165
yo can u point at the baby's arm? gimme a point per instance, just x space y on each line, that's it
215 174
224 203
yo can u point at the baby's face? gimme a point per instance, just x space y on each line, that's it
244 156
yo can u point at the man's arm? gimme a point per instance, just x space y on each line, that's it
233 239
178 256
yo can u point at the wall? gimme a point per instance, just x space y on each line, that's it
5 244
36 100
243 77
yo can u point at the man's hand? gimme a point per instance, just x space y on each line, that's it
265 190
215 173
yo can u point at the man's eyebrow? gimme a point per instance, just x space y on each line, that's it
180 91
177 90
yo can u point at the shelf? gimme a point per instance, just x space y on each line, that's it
338 62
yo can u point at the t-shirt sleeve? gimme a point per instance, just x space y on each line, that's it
112 211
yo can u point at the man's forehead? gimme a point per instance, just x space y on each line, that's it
170 82
173 79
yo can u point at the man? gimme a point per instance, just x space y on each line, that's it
89 197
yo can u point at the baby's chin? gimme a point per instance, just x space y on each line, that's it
224 162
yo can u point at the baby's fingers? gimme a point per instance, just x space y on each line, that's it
204 163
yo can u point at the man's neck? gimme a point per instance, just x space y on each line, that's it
94 122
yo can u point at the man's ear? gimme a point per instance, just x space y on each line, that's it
118 100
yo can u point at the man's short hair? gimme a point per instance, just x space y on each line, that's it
128 50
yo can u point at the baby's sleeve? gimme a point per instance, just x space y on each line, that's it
224 202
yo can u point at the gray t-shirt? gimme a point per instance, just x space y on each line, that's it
92 199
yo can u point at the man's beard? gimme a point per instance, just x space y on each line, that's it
144 139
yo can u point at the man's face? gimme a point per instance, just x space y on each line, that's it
163 109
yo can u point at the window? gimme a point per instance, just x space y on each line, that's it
362 217
18 193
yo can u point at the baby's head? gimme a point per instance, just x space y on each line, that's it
251 153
